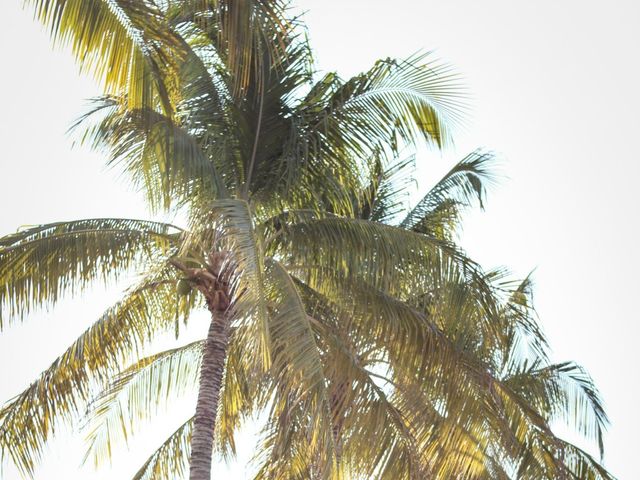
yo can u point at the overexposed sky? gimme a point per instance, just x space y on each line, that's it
555 90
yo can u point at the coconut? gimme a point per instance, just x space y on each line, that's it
183 287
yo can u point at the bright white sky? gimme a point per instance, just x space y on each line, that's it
555 87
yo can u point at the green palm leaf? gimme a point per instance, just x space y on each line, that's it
563 392
412 98
162 158
137 393
125 44
465 184
60 392
298 367
40 264
170 459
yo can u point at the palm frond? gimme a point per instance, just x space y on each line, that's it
246 35
297 367
125 44
415 99
368 411
417 352
163 159
563 392
170 460
243 392
40 264
136 394
581 464
61 392
386 257
388 191
465 184
552 458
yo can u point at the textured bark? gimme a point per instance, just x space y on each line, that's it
211 372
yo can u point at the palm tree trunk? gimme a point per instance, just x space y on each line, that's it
211 372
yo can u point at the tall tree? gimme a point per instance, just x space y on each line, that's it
365 397
212 107
294 247
489 420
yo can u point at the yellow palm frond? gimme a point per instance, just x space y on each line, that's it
40 264
136 394
62 390
297 367
170 460
125 44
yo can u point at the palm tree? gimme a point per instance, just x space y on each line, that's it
340 301
490 420
211 107
40 263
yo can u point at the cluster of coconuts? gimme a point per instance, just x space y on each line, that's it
183 287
